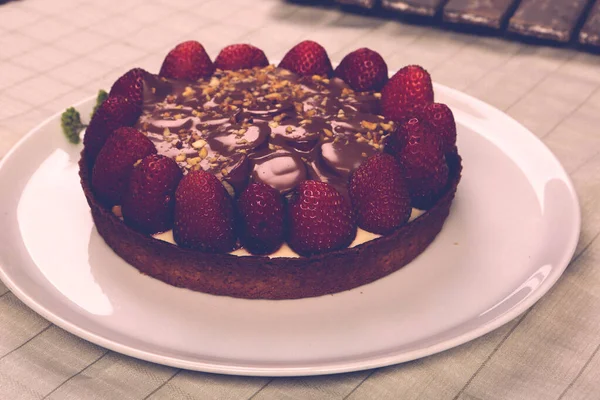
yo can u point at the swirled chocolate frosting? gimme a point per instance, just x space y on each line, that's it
264 125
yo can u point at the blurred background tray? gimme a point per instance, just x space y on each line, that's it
573 23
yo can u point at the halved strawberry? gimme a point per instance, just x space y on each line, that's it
115 162
149 200
405 91
113 113
320 219
307 58
379 194
241 56
130 85
204 216
424 164
187 61
363 69
262 218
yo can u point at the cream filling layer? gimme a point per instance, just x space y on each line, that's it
362 236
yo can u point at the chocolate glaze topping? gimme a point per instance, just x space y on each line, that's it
264 125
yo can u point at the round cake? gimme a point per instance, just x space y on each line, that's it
243 179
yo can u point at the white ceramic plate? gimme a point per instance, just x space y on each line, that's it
512 231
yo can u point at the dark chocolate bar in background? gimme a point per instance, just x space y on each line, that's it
359 3
488 13
590 33
426 8
547 19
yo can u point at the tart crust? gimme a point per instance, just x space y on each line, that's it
260 277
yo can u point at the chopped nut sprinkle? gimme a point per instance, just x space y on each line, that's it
273 96
387 127
193 161
369 125
203 153
188 92
198 144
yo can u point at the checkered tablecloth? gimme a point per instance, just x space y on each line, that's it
56 52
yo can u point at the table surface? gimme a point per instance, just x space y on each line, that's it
55 53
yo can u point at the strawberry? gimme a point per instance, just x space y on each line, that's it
113 113
379 194
413 127
261 218
115 162
363 70
424 164
149 199
320 218
307 58
241 56
187 61
407 89
441 121
130 86
204 216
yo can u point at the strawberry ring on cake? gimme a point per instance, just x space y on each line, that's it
245 179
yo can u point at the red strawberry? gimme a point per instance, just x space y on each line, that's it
115 162
187 61
320 219
415 126
204 217
441 120
379 194
149 199
363 70
241 56
115 112
424 164
408 88
130 85
262 218
307 58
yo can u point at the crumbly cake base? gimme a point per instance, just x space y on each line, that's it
260 277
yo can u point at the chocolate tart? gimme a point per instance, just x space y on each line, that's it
239 123
261 277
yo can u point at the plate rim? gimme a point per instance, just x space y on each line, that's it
326 368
